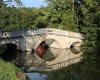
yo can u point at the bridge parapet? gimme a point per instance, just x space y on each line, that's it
57 32
63 64
22 33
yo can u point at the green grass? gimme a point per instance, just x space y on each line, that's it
8 71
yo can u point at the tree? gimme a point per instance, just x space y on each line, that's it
62 15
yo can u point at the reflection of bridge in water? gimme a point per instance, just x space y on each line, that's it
56 66
44 48
63 58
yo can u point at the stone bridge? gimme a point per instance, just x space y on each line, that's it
43 49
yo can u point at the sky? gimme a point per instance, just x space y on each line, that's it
34 3
30 3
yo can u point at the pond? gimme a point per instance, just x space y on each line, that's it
37 76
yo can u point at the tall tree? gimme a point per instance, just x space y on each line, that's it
62 15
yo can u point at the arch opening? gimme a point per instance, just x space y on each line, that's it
9 52
43 50
75 47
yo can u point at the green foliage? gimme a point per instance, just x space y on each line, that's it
89 3
62 15
65 15
22 18
60 5
69 21
8 71
57 16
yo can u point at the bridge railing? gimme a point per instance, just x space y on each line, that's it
63 64
40 31
57 32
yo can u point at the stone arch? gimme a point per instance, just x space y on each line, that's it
76 47
44 50
10 51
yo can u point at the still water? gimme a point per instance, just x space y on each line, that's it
37 76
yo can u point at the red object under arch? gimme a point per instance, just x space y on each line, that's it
40 51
